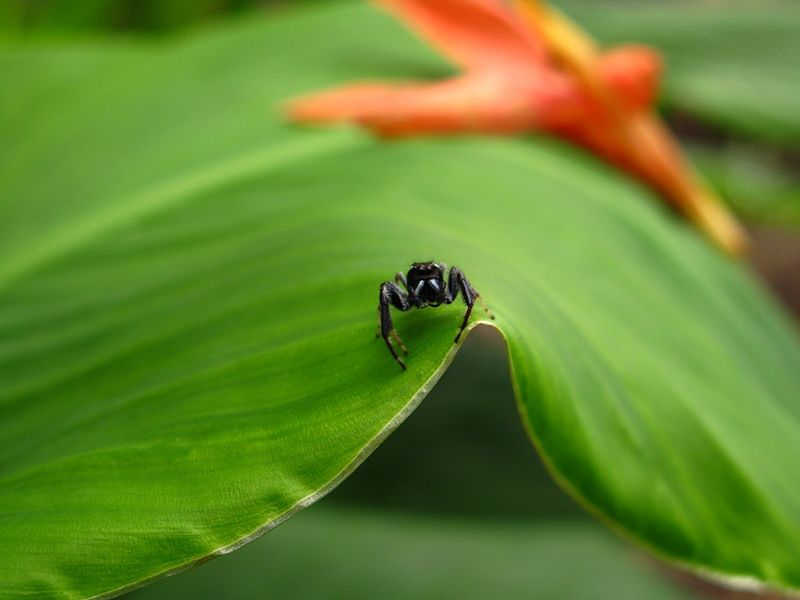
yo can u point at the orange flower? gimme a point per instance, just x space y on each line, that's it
524 70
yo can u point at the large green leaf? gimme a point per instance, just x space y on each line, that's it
187 313
730 64
368 554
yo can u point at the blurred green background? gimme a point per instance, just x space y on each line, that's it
414 521
141 16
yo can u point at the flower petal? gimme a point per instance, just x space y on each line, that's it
474 34
471 103
532 70
491 102
633 72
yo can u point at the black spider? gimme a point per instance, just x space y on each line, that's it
424 286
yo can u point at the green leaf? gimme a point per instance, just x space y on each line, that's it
464 452
187 313
731 65
355 554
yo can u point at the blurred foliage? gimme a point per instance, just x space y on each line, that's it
139 15
325 553
762 183
727 63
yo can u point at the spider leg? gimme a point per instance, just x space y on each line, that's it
391 295
457 282
397 339
399 278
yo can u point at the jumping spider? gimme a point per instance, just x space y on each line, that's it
424 286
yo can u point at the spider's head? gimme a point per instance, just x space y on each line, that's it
426 281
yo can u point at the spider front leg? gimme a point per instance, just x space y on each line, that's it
391 295
456 282
401 279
